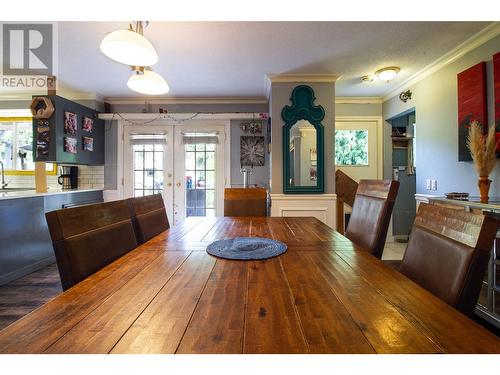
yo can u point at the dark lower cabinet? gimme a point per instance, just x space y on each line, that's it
25 244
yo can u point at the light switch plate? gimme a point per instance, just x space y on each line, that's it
428 184
434 184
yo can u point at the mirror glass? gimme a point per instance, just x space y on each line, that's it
302 154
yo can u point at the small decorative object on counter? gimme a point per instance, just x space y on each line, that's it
457 196
482 149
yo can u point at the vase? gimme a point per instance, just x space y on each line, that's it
484 187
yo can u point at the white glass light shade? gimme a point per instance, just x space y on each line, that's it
130 48
387 74
148 83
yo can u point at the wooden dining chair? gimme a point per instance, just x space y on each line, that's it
371 214
448 252
149 216
88 238
245 202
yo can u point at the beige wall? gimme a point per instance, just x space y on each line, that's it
358 109
435 102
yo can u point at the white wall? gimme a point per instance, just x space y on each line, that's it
435 101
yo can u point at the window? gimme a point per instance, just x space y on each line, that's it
16 146
351 147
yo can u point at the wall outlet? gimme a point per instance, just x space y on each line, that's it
434 184
428 185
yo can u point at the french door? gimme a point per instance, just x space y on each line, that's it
184 163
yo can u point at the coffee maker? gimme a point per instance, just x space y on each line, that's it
68 177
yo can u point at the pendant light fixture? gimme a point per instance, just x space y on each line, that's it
145 81
130 47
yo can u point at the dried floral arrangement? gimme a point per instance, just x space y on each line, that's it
482 148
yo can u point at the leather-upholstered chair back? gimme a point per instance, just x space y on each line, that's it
148 216
371 214
88 238
245 202
448 252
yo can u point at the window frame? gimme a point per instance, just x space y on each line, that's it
19 172
367 148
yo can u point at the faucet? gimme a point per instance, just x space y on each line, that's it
4 185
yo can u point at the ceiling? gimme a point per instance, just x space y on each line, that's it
231 59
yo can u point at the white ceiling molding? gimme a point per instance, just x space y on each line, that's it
179 116
173 100
470 44
303 78
358 100
297 78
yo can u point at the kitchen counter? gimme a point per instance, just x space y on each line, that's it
25 244
32 193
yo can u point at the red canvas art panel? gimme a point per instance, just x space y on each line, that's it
472 104
496 80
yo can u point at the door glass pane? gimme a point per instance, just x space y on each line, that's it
148 169
210 160
190 165
210 179
138 179
200 180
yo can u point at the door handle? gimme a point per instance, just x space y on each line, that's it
169 184
178 184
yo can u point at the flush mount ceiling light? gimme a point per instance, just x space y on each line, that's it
130 47
386 74
145 81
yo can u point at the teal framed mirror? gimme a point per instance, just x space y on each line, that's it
303 144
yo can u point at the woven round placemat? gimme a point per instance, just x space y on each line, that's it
246 248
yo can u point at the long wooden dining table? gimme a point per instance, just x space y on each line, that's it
324 295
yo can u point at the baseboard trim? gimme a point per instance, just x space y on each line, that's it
17 274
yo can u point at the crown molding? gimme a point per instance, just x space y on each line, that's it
297 78
358 100
478 39
186 100
302 78
173 117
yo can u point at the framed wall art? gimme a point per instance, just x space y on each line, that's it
472 104
69 123
252 151
496 89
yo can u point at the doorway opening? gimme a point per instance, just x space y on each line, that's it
403 139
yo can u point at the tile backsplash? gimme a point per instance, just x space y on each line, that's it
89 177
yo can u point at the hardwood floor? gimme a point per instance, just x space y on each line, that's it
22 296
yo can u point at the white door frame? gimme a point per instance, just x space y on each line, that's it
380 137
222 164
168 164
152 121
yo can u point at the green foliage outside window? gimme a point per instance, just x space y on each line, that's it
351 147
